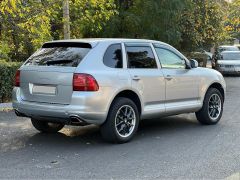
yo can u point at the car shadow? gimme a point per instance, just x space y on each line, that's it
83 137
232 75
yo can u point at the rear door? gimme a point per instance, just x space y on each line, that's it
147 79
47 75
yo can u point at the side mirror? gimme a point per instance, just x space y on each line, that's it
193 63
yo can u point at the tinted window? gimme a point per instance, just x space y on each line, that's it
169 59
58 56
113 56
140 57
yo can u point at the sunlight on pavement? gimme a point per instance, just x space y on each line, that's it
78 131
19 125
235 176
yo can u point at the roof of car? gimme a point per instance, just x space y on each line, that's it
94 41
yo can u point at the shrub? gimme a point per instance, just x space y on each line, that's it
7 76
200 57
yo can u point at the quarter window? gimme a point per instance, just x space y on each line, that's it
113 56
169 59
140 57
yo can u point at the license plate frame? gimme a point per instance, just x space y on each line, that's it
44 89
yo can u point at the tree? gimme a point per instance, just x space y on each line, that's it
27 24
66 19
89 16
24 26
202 25
232 20
147 19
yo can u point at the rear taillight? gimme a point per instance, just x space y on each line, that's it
17 78
84 82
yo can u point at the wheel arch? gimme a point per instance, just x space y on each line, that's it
218 86
131 95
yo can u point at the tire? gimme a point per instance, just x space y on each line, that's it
120 127
46 127
207 115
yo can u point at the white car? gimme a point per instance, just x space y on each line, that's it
229 62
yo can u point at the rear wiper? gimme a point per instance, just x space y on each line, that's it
52 62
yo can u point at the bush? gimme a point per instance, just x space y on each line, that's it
7 76
200 57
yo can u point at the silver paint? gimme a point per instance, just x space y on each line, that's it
162 92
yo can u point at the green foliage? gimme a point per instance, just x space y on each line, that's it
147 19
232 22
4 50
25 25
89 16
7 71
202 25
159 20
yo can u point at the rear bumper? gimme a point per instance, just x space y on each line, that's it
85 107
230 72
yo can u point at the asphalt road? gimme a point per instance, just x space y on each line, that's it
173 147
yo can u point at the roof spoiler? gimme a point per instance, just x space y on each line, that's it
67 44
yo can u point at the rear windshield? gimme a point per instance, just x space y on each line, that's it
231 56
59 54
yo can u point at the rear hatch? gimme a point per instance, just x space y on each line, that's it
47 75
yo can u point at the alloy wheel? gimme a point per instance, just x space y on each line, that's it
125 121
214 106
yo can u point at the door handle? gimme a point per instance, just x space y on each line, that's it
136 78
168 77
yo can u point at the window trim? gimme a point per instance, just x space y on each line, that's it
144 44
120 44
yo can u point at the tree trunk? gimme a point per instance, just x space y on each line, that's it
66 19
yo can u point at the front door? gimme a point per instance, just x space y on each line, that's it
182 83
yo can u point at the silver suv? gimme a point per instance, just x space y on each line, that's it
113 83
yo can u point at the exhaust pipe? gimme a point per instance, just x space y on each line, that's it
20 114
76 120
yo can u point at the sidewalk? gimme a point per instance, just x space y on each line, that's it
5 106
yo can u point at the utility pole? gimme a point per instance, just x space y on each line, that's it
66 19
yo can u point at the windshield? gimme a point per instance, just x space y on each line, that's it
231 56
228 48
58 56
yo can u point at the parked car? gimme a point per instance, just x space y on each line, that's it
229 62
114 83
219 50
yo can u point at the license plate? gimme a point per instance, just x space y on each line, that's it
44 89
237 68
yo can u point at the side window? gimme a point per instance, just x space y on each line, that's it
140 57
113 56
169 59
